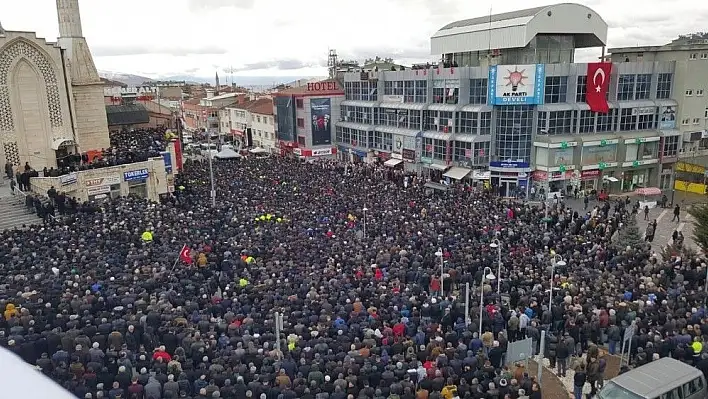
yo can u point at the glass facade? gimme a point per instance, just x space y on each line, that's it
513 133
446 114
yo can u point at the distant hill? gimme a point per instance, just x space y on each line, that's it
260 81
128 79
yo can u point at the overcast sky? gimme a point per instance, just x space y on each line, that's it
291 38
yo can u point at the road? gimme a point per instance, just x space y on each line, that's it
665 227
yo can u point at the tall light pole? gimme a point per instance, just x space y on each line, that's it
556 260
485 276
439 254
365 209
497 244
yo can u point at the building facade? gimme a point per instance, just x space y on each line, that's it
51 98
525 124
304 119
250 124
689 88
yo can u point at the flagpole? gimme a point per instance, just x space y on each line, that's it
179 255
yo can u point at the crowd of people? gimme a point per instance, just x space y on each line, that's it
190 311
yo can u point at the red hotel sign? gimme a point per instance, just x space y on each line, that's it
322 86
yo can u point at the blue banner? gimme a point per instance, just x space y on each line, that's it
167 158
509 164
140 174
516 84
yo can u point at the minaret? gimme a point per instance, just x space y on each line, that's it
91 129
216 88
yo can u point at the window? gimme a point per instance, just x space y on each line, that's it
416 91
625 88
689 92
696 121
647 122
704 56
586 122
513 133
628 119
386 116
606 122
686 121
670 148
357 114
476 153
643 86
556 89
581 89
693 56
440 121
560 122
393 88
692 387
478 91
663 86
300 122
258 118
467 122
299 103
414 119
542 125
699 92
705 113
434 148
485 123
362 90
446 91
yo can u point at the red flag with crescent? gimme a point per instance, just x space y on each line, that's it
185 255
598 83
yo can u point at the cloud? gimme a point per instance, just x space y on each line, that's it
283 65
116 51
210 5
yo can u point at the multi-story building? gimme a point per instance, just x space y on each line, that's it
202 114
689 87
517 108
251 124
304 117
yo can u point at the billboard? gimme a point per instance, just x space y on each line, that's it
667 117
321 111
596 154
516 84
562 156
285 118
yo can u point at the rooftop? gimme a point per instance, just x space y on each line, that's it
262 106
516 29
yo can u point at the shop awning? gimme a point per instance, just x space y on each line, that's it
436 186
612 179
127 114
457 173
481 175
392 162
437 167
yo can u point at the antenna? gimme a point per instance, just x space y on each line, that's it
489 49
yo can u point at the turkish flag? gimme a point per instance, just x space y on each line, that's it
185 255
598 83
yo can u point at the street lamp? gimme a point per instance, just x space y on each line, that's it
211 168
488 276
556 260
497 244
365 209
439 254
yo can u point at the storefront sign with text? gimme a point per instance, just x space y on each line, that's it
322 86
103 181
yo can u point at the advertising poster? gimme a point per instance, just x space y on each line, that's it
667 117
517 84
167 159
563 156
596 154
178 154
321 110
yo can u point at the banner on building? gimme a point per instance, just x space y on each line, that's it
667 117
516 84
321 111
167 159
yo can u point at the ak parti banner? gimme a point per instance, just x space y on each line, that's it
598 83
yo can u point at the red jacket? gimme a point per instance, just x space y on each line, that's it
166 358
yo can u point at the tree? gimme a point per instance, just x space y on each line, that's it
700 225
629 235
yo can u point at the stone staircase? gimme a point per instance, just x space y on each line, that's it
13 212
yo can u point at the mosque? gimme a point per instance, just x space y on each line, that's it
51 97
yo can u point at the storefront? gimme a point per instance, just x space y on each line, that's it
349 154
102 188
639 173
510 178
553 181
137 182
589 180
308 153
